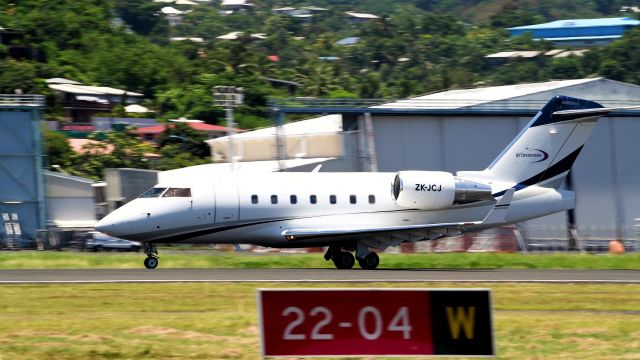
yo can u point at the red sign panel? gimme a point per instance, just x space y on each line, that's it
318 322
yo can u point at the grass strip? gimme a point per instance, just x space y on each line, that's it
226 259
219 321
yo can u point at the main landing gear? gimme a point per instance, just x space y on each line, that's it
342 257
151 262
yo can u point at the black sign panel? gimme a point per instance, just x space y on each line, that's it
461 322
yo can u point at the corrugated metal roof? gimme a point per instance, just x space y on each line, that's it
322 124
514 54
90 90
454 99
361 15
68 177
574 23
352 40
62 81
578 38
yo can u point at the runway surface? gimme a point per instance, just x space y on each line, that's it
314 275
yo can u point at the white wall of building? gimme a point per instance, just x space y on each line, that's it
70 200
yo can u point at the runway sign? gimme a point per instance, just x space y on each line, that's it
369 322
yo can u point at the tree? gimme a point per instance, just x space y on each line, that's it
118 149
57 149
20 75
511 16
188 140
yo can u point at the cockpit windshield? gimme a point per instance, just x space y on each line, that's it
153 192
178 192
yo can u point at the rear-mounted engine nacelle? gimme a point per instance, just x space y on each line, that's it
436 190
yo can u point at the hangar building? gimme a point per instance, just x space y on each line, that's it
466 129
485 120
22 206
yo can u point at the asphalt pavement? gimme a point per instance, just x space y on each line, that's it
314 275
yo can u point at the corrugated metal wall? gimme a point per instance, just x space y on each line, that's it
22 205
453 143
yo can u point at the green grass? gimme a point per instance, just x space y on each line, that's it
218 259
219 321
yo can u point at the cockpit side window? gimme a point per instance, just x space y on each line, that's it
153 192
178 192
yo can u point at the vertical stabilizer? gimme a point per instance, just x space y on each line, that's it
547 147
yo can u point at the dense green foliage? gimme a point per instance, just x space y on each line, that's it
416 47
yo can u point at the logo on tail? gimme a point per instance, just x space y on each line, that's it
537 157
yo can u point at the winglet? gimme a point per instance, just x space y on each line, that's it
316 169
499 211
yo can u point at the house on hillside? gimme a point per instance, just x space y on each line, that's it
173 15
352 40
287 10
578 32
360 17
80 102
235 35
235 5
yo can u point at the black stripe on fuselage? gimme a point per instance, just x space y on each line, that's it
209 231
212 230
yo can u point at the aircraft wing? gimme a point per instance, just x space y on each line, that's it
495 216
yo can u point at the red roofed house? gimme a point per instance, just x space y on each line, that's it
151 133
81 146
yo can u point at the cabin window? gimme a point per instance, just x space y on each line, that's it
332 199
254 199
372 199
153 192
177 192
313 199
274 199
293 199
353 199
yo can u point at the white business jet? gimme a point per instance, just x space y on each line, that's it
363 212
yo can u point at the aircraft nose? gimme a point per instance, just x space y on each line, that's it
106 225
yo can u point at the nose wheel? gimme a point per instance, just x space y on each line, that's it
151 262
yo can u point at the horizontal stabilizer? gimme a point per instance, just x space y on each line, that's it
594 111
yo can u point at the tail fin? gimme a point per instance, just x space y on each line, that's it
546 148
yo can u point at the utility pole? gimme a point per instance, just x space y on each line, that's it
228 97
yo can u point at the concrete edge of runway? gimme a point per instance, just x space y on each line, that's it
302 276
356 281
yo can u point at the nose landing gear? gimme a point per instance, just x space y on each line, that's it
151 262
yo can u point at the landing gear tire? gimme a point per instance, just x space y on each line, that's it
370 261
151 263
343 260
